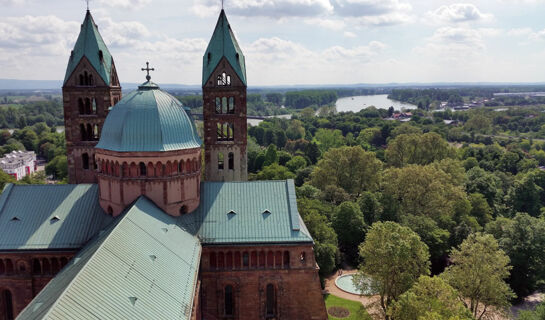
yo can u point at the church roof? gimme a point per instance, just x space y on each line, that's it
247 212
144 266
148 119
223 44
49 216
89 44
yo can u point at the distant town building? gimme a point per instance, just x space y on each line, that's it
19 164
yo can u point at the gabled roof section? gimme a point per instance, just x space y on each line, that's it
223 44
88 45
265 212
144 266
49 216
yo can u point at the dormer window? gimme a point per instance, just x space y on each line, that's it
100 55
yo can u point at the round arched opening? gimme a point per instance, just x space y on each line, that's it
183 210
110 210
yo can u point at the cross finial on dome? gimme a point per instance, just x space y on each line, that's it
221 4
148 69
87 1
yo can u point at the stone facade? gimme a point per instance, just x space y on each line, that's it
171 179
86 100
24 274
225 125
260 282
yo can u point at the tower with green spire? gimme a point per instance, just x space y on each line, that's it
90 88
224 106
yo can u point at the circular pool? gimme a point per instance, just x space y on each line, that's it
346 284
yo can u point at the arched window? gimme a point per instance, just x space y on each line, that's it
81 107
91 80
278 259
220 161
85 79
221 260
270 259
95 132
188 166
231 105
253 259
303 257
7 305
82 132
213 264
36 267
183 210
125 170
110 210
100 55
224 105
229 260
85 160
270 309
245 259
286 259
81 80
55 265
237 260
89 132
9 266
231 161
46 266
94 106
220 134
229 301
2 267
262 259
64 261
181 166
230 132
218 105
142 169
87 106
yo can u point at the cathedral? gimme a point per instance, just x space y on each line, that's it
143 231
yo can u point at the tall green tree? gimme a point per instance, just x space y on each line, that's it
430 298
393 257
523 239
417 149
350 168
350 227
478 271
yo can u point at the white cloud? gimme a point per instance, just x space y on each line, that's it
11 2
458 12
326 23
538 35
126 4
374 12
349 34
267 8
517 32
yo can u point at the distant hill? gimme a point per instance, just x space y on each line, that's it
11 84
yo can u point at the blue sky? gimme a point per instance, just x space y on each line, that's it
288 41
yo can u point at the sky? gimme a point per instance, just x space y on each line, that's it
287 42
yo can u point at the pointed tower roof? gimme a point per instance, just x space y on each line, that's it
223 44
91 46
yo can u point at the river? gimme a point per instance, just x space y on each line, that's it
380 101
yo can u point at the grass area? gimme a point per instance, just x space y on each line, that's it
357 311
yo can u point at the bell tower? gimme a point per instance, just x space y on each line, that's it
224 106
91 87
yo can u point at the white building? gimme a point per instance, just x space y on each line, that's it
19 163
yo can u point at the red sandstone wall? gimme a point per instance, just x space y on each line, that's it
24 274
297 284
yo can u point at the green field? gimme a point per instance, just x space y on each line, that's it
357 311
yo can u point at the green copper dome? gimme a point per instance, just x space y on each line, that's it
148 119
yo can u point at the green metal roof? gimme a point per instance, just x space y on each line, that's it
247 212
49 216
148 119
223 44
144 266
88 45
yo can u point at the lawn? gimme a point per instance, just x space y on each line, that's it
357 311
